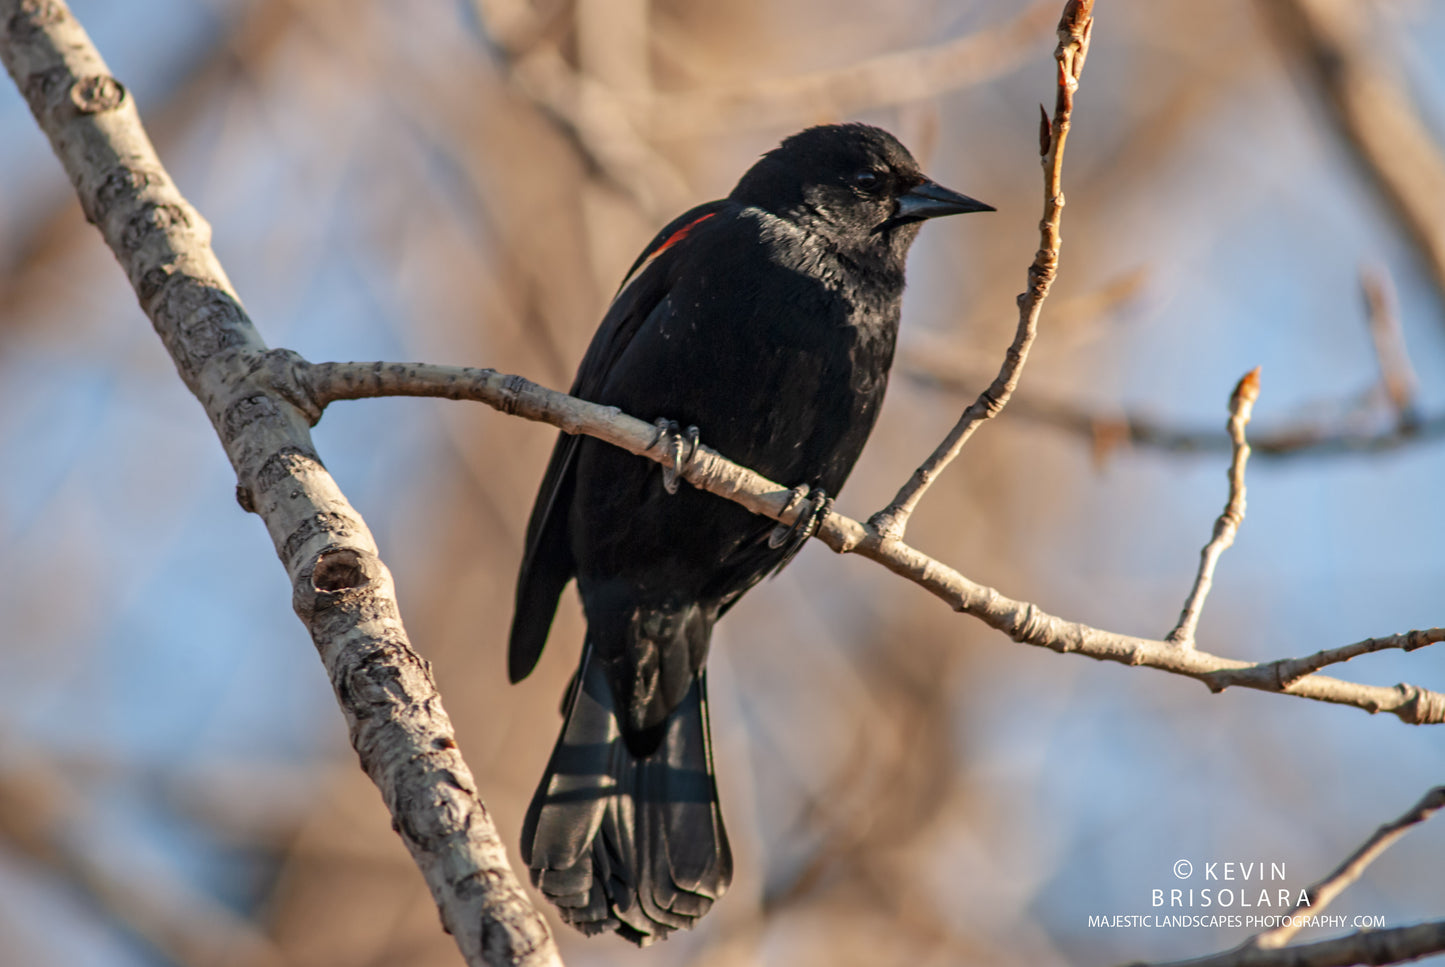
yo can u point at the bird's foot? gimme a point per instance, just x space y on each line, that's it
682 444
794 536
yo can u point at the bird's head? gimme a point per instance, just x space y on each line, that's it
851 183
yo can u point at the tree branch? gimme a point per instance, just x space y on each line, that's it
1321 894
1241 404
341 589
1393 946
1396 945
1283 671
1397 376
915 74
1373 111
324 383
1108 430
1075 28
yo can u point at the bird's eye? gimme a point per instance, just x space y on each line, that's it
868 180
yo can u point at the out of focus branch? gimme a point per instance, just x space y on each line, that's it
587 110
1241 403
1075 27
43 818
1393 946
342 591
1322 894
1108 430
616 126
900 77
1373 111
1396 945
323 383
1397 376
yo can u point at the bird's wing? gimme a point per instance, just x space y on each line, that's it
547 563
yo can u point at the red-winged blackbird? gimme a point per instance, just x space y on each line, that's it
767 320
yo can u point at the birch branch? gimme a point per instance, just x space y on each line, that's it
341 590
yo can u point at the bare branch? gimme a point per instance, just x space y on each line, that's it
1306 439
1396 945
1241 404
902 76
1320 895
341 589
1075 27
1393 946
323 383
1283 671
1396 374
43 817
591 113
1373 110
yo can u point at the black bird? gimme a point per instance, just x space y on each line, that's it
767 320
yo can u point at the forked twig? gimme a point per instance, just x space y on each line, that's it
1075 28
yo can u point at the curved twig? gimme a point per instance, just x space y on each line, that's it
1075 28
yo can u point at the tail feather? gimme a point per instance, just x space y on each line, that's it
622 842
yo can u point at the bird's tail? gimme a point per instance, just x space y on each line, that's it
626 842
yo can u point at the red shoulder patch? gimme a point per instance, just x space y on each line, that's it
667 243
679 235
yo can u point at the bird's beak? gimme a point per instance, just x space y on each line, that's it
931 200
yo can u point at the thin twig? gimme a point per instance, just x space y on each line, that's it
1241 404
1113 429
1321 894
591 114
323 383
1282 671
1075 28
44 818
1396 945
341 589
1397 376
915 74
1373 110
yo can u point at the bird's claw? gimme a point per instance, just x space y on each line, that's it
682 444
794 536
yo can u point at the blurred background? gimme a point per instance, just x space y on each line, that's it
465 183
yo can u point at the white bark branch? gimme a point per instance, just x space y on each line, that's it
324 383
1241 404
341 589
